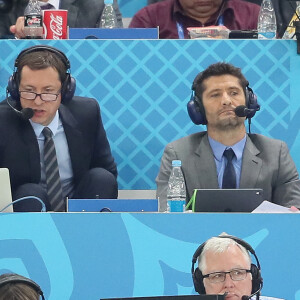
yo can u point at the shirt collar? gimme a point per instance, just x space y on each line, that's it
55 3
218 148
38 128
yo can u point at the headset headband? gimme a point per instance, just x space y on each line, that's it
37 48
236 239
15 278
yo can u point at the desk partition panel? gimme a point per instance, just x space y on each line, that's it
102 255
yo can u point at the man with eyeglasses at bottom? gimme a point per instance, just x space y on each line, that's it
53 143
224 267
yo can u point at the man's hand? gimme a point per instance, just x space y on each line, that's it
18 28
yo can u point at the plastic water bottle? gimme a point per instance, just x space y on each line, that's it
33 20
108 17
266 26
176 194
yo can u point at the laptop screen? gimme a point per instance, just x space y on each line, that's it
226 200
5 190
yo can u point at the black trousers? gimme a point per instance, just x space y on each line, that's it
96 183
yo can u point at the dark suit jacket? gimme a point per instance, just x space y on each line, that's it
81 14
86 137
266 164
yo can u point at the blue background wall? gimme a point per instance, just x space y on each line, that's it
143 87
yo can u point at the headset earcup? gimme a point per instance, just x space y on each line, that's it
256 278
198 282
251 100
13 87
68 89
195 112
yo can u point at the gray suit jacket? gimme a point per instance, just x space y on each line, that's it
81 14
266 164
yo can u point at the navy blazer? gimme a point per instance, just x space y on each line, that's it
86 138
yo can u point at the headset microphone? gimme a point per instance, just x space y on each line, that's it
243 111
255 293
25 113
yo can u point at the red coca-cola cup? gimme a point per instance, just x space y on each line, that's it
55 24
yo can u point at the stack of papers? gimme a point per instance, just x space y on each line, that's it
269 207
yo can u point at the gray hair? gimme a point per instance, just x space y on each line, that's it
219 245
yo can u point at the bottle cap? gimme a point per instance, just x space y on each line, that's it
176 163
108 1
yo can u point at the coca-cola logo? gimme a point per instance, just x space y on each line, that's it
56 26
33 21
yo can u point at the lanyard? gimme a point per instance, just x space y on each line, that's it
220 22
180 30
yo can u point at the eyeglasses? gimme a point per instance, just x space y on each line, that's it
235 274
44 96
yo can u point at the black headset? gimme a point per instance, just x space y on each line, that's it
68 86
15 278
196 109
257 281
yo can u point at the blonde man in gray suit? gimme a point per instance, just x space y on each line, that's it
258 161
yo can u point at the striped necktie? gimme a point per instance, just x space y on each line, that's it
54 189
229 177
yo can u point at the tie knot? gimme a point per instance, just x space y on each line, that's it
47 132
229 154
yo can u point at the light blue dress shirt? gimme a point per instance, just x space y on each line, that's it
218 150
62 154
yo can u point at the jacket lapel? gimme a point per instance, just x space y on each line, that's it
75 140
251 165
206 171
29 139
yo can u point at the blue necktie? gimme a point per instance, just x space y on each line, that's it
229 177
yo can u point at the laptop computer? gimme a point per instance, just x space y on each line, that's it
112 205
177 297
5 191
227 200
